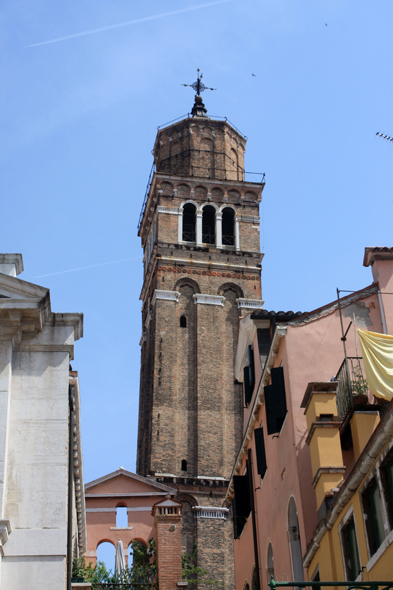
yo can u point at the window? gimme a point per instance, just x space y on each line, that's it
372 508
270 562
294 542
260 451
264 341
189 218
349 543
184 465
228 227
387 484
251 367
275 401
183 321
240 504
208 225
249 377
121 516
246 386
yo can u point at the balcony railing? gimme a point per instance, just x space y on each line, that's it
351 386
354 390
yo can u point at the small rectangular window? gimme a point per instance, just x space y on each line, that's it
242 495
350 547
373 516
264 342
260 451
238 521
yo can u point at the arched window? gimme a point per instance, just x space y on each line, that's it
189 218
183 321
208 225
184 465
228 227
294 542
254 579
106 553
138 554
121 516
270 562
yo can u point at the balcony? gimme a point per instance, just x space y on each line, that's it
353 391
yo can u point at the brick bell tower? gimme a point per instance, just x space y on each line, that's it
199 229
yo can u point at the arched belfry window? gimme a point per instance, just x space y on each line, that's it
228 227
184 465
183 321
189 219
208 225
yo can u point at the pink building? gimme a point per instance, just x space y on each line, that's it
271 487
121 489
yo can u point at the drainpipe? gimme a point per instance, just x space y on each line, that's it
71 402
254 522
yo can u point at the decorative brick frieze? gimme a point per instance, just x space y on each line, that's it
165 295
209 273
209 299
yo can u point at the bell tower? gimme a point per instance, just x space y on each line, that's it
199 228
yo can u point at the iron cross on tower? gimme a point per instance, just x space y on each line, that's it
198 110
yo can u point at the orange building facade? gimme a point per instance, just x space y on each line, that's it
277 496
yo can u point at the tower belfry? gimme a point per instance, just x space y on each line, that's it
199 229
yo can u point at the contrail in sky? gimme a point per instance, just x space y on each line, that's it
129 22
61 272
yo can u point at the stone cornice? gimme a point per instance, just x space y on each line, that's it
201 298
250 303
165 295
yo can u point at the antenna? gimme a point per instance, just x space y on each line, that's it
384 136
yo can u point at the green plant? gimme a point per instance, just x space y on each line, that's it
358 382
194 574
143 555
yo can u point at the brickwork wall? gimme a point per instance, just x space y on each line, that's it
190 406
168 551
203 148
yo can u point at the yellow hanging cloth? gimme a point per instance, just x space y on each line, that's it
378 362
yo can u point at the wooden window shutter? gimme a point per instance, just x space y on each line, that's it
275 401
251 367
260 451
247 387
242 495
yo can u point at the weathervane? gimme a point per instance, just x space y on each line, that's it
198 110
198 86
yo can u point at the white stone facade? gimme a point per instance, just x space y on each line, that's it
36 346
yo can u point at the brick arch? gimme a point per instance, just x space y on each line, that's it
187 282
187 498
230 287
188 522
105 540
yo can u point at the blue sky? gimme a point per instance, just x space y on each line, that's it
79 119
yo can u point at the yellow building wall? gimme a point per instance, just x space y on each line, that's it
325 448
321 403
329 555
